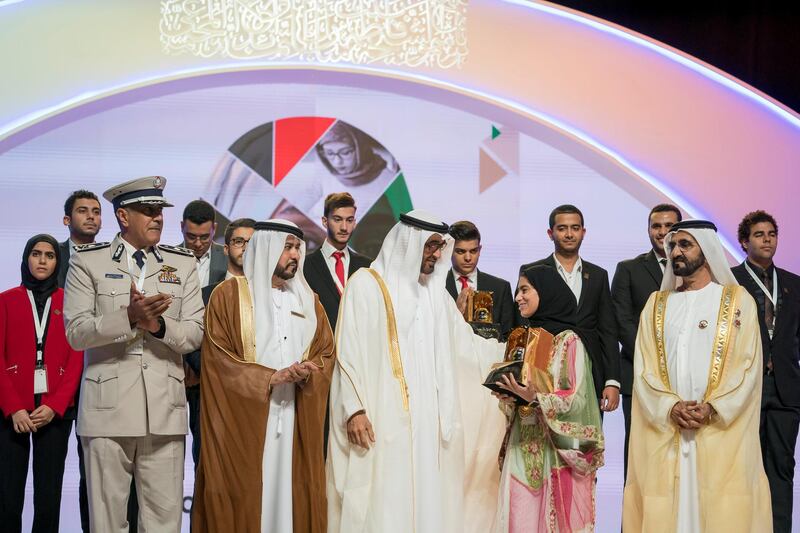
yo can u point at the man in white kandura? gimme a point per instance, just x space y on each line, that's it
695 456
414 435
267 361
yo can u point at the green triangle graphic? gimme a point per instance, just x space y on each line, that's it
399 199
381 217
495 132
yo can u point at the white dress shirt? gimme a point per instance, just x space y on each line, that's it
204 268
472 280
662 262
573 279
327 252
135 346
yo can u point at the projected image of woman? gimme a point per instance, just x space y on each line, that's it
351 156
247 182
554 445
356 163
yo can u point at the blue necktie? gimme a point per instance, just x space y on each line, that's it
138 256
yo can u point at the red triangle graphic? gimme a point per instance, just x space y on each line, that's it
293 138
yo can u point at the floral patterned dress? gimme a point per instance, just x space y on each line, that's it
553 450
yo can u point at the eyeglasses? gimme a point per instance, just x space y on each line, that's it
344 152
431 247
238 242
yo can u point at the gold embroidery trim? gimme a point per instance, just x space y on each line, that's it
658 329
394 344
211 338
246 319
722 338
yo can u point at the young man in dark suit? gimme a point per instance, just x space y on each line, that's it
589 283
198 227
634 281
83 217
466 276
328 268
777 294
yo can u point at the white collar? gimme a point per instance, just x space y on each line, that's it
577 269
328 250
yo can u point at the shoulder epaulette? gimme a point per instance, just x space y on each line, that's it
92 246
176 249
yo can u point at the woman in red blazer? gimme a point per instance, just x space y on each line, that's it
39 375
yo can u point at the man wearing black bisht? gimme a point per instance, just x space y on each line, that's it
777 293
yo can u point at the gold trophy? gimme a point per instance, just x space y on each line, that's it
479 314
528 354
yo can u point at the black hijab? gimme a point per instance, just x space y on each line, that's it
41 289
557 310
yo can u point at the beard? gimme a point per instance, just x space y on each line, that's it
286 272
687 267
88 232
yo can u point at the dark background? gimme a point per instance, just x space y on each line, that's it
757 42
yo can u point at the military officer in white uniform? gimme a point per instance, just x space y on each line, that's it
135 307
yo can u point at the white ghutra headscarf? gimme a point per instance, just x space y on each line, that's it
260 259
705 233
399 262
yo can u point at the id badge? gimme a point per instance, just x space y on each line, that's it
40 380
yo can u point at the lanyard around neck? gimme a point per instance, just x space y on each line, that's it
772 297
39 324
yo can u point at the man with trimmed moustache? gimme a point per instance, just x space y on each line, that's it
412 429
695 454
134 307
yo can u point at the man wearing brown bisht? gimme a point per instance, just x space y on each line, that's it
268 354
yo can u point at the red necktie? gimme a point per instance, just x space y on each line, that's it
464 282
339 266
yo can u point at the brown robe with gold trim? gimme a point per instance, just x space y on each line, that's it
234 404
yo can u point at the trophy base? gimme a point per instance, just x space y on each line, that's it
487 331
